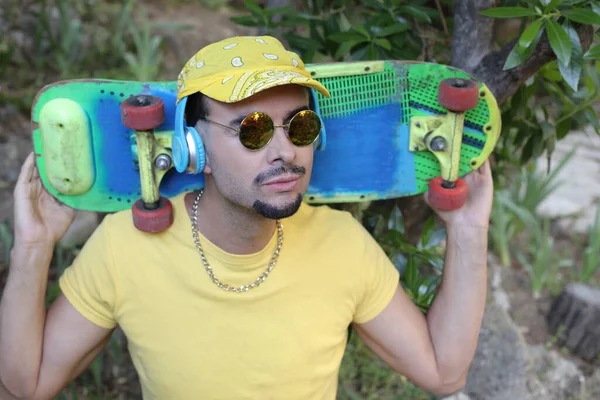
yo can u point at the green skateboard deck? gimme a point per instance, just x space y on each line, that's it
386 135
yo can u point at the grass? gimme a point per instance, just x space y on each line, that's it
590 265
364 376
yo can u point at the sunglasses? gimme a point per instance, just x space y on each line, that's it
257 129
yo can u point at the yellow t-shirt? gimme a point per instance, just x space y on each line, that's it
190 339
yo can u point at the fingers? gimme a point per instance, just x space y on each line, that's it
485 168
26 173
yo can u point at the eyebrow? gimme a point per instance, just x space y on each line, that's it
238 120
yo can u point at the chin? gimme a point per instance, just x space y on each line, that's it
279 209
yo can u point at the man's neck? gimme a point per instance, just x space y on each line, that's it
230 227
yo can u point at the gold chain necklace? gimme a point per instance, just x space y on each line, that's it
244 288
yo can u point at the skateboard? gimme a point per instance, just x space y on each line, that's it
390 129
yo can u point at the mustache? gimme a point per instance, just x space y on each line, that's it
284 169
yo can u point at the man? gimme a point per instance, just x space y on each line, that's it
307 273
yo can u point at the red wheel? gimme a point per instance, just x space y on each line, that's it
447 199
142 112
458 95
153 221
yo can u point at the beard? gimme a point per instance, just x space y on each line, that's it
272 212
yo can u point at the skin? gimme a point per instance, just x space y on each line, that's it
41 352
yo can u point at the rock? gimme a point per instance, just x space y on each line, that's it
560 377
580 188
500 369
592 386
457 396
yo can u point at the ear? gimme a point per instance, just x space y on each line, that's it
201 130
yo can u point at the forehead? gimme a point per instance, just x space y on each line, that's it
281 98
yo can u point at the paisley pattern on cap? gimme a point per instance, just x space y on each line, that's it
235 68
237 62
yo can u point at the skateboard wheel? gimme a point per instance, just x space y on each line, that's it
152 221
447 199
458 95
142 112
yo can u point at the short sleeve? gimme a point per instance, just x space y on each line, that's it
89 283
380 279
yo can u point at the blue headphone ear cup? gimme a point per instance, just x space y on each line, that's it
181 152
180 149
198 154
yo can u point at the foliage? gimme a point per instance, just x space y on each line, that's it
6 241
363 376
411 260
518 201
558 19
561 96
591 253
47 40
341 30
539 262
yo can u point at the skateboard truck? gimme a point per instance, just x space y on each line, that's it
143 113
442 135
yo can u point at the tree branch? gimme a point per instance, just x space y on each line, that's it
472 50
473 33
504 84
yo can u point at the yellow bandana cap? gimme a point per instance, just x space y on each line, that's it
236 68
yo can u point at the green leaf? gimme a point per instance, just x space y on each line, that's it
372 53
516 57
551 73
594 52
375 4
530 34
254 8
572 72
583 16
383 43
342 37
362 31
417 13
563 128
345 48
509 12
553 5
559 41
246 21
392 30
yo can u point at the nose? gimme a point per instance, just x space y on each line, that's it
281 148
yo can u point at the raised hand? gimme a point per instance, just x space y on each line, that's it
40 219
476 211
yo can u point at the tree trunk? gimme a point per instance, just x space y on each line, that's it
575 319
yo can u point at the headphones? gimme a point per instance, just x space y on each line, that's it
188 149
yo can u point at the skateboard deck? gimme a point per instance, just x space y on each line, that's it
376 124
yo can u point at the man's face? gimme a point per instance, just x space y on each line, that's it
271 181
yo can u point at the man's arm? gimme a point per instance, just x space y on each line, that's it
435 352
40 352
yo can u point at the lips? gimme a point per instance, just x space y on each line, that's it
282 184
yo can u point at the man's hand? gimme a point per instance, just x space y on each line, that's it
40 219
476 211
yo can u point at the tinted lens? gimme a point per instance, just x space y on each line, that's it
304 128
256 130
